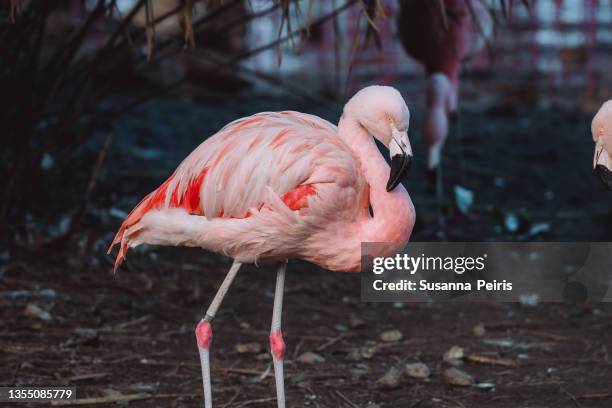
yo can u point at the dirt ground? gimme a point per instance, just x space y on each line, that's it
130 337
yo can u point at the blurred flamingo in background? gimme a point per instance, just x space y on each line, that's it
441 35
601 129
281 185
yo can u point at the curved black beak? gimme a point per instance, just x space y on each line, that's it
400 164
602 165
604 175
401 157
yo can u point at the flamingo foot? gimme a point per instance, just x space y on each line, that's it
204 339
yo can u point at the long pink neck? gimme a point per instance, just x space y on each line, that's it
394 213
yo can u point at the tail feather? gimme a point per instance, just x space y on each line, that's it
189 200
122 237
121 255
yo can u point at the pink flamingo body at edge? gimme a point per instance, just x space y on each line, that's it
441 45
281 185
601 130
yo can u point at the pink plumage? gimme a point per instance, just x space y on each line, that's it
601 130
274 185
281 185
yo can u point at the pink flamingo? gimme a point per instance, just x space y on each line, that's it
601 129
279 185
441 41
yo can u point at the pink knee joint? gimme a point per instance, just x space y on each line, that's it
277 345
204 334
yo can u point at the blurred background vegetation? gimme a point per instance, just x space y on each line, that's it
102 91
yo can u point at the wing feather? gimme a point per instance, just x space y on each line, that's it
232 173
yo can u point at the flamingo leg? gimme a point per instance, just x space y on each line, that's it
436 183
277 344
204 332
440 198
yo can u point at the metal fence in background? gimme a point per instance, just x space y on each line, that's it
567 41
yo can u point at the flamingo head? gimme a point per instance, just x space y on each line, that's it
382 112
601 128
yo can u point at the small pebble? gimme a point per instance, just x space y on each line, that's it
511 222
464 198
457 377
499 182
485 386
417 370
454 355
391 379
263 357
341 328
391 336
362 353
32 310
304 384
479 330
356 323
248 348
310 358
